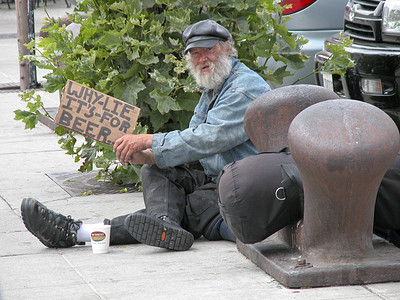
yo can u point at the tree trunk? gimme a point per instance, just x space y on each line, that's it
22 30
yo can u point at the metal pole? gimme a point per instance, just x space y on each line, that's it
31 36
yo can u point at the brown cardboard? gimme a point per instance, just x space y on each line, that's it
94 114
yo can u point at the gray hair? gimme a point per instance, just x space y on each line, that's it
231 43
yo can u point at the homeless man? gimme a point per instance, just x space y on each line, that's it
180 203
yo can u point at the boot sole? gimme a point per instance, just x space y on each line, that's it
154 232
25 208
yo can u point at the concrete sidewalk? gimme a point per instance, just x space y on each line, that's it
31 159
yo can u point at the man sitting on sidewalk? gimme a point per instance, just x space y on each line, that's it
180 203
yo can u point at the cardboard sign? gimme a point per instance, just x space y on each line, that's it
94 114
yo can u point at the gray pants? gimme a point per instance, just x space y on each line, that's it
188 197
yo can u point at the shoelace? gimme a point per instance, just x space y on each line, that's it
164 218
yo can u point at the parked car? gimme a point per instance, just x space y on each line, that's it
375 27
316 20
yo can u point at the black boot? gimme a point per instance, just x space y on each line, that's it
52 229
159 232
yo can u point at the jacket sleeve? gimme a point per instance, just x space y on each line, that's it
222 130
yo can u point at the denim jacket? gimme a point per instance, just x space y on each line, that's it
216 134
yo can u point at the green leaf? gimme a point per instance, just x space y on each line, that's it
54 82
129 92
165 103
133 53
21 114
182 117
147 58
188 101
283 31
158 120
110 39
60 130
30 119
340 60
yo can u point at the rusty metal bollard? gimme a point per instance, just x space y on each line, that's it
267 118
342 149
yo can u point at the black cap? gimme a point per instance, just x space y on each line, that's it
204 34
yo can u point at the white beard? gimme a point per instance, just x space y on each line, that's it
219 72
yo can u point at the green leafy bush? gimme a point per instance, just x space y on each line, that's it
132 50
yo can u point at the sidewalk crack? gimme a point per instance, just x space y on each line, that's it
81 276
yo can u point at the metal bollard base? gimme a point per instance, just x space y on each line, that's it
287 266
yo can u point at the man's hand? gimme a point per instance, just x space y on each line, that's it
130 144
143 157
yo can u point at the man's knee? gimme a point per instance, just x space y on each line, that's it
234 206
147 170
248 200
201 209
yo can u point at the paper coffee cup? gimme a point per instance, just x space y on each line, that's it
100 238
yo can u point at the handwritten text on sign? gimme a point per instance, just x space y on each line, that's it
94 114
